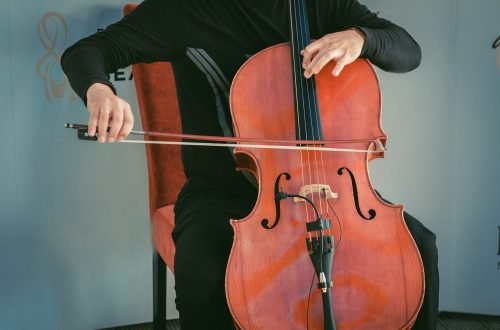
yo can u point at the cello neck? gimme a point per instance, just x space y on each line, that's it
307 118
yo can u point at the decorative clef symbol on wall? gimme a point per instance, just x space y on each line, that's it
52 33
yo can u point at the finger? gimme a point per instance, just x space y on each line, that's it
341 63
128 123
91 129
321 60
306 58
115 125
324 58
310 51
104 115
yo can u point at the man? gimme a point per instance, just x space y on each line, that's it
207 41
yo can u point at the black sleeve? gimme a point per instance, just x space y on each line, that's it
152 32
387 45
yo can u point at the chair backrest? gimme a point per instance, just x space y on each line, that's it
159 111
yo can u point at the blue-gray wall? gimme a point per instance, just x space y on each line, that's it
74 230
475 273
442 123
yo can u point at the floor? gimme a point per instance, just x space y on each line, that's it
447 321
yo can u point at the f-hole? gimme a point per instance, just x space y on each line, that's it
371 212
265 222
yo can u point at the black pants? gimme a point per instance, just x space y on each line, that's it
203 238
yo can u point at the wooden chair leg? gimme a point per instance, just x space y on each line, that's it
159 292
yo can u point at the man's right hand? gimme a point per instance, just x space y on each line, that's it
108 110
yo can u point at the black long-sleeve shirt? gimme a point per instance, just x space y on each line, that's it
207 41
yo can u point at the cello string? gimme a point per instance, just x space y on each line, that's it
315 127
301 89
309 97
315 105
312 82
293 33
298 78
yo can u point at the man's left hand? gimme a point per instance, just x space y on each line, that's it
343 47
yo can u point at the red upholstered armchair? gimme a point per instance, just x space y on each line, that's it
158 107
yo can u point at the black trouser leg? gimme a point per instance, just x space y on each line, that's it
202 251
426 243
159 292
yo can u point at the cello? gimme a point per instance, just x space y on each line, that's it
317 216
316 207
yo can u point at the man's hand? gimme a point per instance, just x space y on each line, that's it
344 47
108 110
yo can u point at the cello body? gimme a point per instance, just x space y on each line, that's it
377 273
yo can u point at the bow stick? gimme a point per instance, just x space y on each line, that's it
220 141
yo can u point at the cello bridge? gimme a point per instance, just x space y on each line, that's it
323 189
